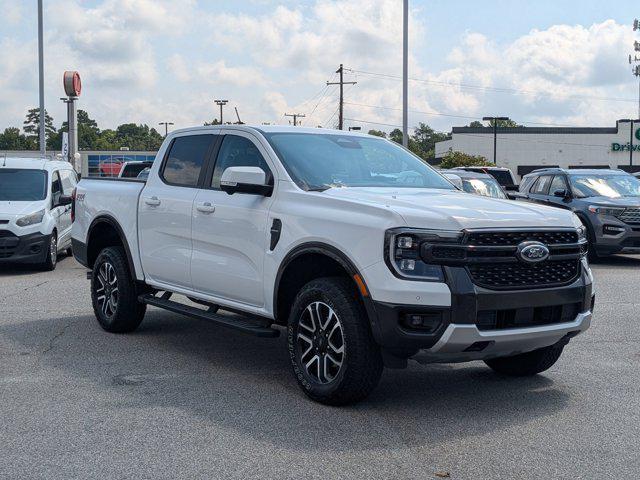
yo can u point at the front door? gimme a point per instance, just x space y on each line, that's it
230 232
68 180
164 218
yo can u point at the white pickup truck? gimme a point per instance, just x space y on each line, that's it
364 253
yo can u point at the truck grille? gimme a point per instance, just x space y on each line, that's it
516 275
8 243
492 260
630 216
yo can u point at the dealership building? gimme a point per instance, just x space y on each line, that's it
523 149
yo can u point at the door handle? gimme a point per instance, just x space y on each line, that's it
152 201
206 207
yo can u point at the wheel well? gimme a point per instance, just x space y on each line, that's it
300 271
101 236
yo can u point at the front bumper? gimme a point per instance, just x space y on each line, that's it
529 319
626 241
30 248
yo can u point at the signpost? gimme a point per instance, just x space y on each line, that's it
72 88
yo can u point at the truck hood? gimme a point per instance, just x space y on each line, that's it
10 209
455 210
613 202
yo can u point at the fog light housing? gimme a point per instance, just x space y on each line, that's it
613 230
426 322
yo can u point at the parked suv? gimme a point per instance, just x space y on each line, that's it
503 175
363 252
476 183
35 210
607 202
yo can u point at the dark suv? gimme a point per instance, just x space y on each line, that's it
607 202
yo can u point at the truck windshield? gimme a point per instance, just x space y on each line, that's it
22 185
612 186
320 161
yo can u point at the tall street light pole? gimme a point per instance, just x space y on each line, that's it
495 121
43 144
166 127
405 72
221 103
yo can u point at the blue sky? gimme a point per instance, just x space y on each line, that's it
146 61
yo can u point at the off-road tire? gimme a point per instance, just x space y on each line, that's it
527 364
127 313
362 364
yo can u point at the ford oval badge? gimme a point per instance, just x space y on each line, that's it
532 252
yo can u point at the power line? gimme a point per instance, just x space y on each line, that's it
342 83
484 88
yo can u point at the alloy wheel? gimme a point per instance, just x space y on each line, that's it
320 342
107 289
53 249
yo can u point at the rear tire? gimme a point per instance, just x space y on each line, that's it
114 294
527 364
333 354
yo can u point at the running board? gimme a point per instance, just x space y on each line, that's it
252 325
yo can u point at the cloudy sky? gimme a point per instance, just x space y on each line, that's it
147 61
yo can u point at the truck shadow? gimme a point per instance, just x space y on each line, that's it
245 384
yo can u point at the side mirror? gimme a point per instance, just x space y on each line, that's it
516 195
561 193
63 201
252 180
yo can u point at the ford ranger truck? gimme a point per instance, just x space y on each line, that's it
363 253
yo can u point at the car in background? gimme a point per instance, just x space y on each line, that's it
132 169
503 175
110 167
637 174
476 183
144 174
607 202
35 210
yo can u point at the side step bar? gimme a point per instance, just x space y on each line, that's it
252 325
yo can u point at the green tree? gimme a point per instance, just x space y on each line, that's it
138 137
12 139
459 159
107 140
378 133
31 126
505 124
425 139
476 124
215 121
88 133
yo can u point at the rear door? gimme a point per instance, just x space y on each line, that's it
230 232
164 218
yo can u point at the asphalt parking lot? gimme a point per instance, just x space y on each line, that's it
181 398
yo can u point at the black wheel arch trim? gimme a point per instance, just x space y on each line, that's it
335 254
111 221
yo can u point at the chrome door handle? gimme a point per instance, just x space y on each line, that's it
206 207
152 202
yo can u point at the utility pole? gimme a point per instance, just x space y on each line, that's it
405 73
495 121
240 122
221 103
342 83
43 143
295 116
166 127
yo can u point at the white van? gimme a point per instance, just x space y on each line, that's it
35 210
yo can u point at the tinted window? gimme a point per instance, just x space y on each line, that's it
185 159
18 185
237 151
542 185
321 161
612 186
56 188
558 183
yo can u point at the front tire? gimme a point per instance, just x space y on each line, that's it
527 364
333 354
113 293
51 260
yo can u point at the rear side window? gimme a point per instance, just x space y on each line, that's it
542 185
56 187
185 159
502 176
237 151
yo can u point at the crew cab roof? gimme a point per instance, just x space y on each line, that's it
272 129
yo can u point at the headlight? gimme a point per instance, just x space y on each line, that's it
614 211
32 219
403 252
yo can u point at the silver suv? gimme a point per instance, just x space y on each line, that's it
607 202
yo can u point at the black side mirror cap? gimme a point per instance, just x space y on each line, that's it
561 193
64 200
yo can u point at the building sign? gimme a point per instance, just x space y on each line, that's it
625 147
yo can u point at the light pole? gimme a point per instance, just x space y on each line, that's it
43 144
166 127
405 73
495 121
221 103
